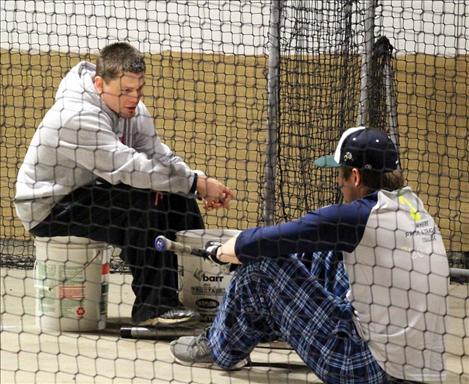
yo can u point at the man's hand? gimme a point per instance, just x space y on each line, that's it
214 193
226 253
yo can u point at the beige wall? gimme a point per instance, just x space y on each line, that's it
211 109
433 117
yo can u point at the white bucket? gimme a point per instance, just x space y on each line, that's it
202 283
71 277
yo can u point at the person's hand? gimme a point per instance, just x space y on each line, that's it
226 253
214 193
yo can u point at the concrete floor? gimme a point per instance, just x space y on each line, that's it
30 356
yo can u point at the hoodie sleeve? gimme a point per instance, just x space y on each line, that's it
338 227
87 139
147 140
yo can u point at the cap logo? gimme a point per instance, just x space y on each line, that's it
348 156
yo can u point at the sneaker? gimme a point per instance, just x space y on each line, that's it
195 352
175 316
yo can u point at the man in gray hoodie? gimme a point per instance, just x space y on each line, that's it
96 168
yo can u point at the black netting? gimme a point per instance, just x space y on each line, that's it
250 92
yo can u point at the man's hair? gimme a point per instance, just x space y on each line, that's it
375 180
117 58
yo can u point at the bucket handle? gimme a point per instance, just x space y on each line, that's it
87 264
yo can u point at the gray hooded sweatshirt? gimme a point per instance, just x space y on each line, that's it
80 139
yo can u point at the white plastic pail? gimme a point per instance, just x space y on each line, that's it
71 278
202 283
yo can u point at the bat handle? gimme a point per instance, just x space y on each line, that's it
162 244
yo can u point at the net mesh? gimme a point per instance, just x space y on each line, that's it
319 93
207 91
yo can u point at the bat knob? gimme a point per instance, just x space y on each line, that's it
160 244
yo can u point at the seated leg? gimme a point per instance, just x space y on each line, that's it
128 218
274 298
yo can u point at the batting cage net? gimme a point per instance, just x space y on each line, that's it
200 120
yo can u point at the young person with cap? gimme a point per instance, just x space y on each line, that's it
369 309
96 168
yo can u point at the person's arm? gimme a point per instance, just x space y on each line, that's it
336 227
87 138
214 193
147 140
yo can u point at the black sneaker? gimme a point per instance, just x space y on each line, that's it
195 352
175 316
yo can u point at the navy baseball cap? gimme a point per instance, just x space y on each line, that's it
363 148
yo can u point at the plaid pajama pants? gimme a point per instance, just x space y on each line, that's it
300 300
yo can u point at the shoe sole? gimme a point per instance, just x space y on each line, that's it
240 365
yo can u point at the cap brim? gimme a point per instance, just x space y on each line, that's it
326 162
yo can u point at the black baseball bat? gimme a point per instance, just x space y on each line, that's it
154 333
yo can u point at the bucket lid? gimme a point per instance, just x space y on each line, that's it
68 240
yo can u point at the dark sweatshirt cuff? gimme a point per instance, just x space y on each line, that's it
193 189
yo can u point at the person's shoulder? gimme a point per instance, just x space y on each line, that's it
368 200
84 119
357 210
396 195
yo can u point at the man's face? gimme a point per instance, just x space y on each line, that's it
123 93
349 185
